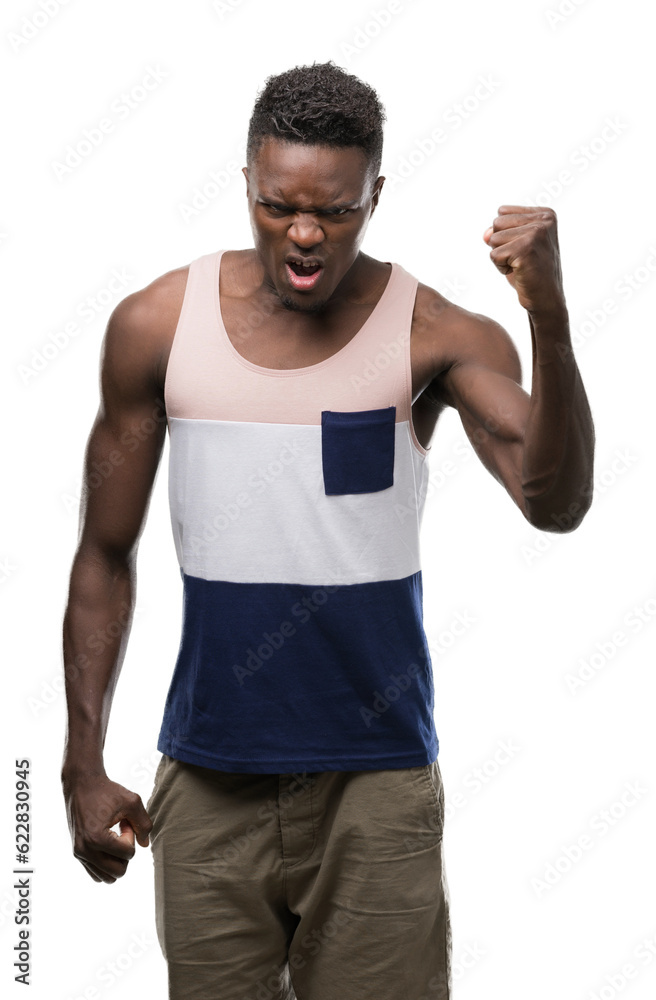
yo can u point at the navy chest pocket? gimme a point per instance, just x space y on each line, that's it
357 450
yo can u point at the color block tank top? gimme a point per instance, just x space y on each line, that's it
296 500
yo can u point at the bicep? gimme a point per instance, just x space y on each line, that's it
484 385
126 441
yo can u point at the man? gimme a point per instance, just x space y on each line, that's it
297 814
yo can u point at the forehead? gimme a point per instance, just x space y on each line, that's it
295 170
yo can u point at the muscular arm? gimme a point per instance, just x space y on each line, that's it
538 446
120 466
559 439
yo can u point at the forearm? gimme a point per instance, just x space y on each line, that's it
558 454
95 634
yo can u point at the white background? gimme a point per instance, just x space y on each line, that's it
541 602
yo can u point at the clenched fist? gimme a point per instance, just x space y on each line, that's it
524 245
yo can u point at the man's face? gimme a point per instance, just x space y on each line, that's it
308 202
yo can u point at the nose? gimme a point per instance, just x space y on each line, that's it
305 231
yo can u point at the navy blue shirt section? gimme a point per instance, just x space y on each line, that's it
327 666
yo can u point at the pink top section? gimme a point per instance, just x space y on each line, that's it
207 378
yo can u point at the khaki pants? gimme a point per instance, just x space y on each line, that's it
308 886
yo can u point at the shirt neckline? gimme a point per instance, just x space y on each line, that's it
306 368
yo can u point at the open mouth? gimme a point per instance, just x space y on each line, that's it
301 276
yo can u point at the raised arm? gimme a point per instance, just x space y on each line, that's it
540 447
120 466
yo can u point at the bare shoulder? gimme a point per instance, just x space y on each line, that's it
450 337
141 328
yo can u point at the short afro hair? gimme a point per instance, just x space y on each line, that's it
320 104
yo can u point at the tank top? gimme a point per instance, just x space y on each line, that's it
296 499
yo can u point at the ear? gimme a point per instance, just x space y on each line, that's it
244 171
375 195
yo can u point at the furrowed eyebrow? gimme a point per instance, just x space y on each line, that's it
326 208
